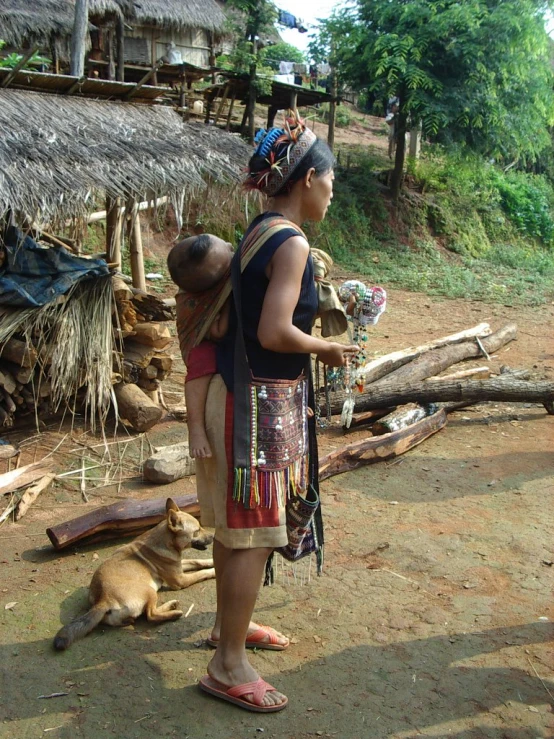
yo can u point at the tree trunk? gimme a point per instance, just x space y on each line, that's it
434 362
504 389
126 518
398 171
381 366
377 449
78 38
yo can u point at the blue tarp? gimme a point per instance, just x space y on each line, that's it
32 275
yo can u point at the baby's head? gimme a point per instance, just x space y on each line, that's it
199 262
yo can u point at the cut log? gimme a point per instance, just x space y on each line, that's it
31 494
136 408
503 389
149 373
21 375
152 334
124 518
426 365
381 366
7 401
377 449
476 373
433 362
169 463
18 352
402 417
7 380
148 385
8 451
138 354
153 308
162 362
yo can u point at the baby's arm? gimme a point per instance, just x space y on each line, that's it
220 326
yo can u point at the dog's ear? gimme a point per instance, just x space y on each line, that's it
174 521
171 505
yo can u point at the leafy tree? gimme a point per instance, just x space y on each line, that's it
476 72
272 55
254 17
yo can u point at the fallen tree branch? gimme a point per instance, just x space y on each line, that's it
126 518
31 494
376 449
504 389
381 366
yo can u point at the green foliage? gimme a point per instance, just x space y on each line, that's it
343 116
459 206
476 203
12 60
270 56
477 73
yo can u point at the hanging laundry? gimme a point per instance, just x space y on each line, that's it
287 19
286 67
300 68
323 69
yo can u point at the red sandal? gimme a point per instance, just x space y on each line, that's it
257 689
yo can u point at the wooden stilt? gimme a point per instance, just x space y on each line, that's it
135 246
230 112
114 222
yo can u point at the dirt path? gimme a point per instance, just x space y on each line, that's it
433 617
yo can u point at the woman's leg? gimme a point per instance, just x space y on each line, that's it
238 577
221 555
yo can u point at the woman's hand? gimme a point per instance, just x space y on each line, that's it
337 355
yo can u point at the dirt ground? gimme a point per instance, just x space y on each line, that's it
433 616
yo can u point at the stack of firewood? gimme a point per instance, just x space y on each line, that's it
21 388
139 362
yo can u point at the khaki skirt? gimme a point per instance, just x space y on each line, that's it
214 477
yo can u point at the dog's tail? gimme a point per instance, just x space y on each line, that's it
80 627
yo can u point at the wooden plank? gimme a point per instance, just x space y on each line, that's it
23 476
124 518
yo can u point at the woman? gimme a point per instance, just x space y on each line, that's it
279 303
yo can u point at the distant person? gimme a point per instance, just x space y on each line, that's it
392 122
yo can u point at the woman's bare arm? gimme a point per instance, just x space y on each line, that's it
276 331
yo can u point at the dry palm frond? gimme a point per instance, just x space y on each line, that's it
56 151
46 20
75 341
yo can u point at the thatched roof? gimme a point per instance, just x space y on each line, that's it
55 152
41 20
178 14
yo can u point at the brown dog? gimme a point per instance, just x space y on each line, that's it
126 585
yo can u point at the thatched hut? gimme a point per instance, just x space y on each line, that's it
60 156
189 26
55 151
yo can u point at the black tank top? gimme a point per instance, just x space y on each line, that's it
263 362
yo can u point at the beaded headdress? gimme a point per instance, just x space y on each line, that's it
283 149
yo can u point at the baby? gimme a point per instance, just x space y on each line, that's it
199 265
